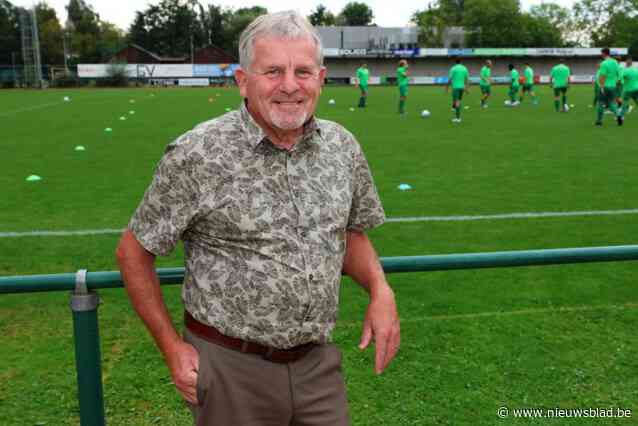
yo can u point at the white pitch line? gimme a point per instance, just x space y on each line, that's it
32 108
389 220
530 215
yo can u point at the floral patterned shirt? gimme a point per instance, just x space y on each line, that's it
264 229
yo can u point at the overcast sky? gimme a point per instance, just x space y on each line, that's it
386 12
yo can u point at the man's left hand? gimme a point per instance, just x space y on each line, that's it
382 323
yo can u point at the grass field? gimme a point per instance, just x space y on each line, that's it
473 341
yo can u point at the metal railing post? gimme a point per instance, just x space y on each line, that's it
84 305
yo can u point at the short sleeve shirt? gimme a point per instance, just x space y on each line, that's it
529 75
363 75
630 78
486 72
402 76
264 229
514 77
610 69
560 76
458 74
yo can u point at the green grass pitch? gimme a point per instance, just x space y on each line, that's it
472 341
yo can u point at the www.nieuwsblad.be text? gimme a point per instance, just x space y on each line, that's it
562 413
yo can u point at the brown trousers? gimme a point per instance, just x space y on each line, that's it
238 389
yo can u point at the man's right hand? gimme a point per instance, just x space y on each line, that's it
183 362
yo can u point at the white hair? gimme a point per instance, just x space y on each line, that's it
289 24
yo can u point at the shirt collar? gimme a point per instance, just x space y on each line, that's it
256 134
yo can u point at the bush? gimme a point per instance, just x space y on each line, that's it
65 81
116 76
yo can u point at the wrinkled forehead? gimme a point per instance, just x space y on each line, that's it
271 50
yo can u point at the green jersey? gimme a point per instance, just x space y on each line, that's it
630 78
611 71
529 75
486 73
560 76
621 70
458 75
363 75
514 76
597 80
402 76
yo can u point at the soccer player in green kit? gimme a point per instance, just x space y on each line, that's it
486 82
459 77
596 88
528 85
619 88
515 85
402 82
559 77
608 80
363 76
630 84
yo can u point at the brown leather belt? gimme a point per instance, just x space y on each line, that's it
282 356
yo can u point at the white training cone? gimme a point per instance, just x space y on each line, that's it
122 118
108 130
80 148
33 178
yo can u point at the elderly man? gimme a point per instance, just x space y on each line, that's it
272 205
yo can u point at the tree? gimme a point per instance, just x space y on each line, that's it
50 35
492 23
322 17
214 21
9 33
538 32
238 21
603 22
357 14
91 39
559 17
169 28
431 24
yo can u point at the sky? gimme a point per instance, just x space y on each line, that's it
386 13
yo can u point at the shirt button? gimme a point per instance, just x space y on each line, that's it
311 277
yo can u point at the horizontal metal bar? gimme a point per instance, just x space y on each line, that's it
444 262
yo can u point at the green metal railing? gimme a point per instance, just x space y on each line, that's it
84 298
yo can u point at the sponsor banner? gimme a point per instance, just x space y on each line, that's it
91 70
544 79
192 82
475 80
433 52
214 70
164 70
461 52
423 80
501 80
500 52
618 51
371 81
330 52
406 53
352 52
441 80
160 70
582 78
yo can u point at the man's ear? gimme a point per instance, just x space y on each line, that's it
241 79
323 72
